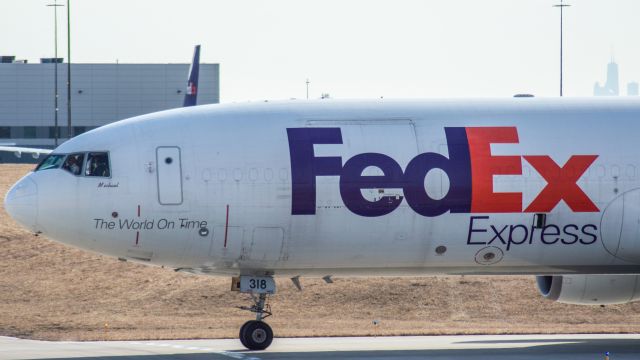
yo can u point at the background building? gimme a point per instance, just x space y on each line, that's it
611 87
100 94
632 89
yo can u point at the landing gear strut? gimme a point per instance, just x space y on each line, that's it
256 334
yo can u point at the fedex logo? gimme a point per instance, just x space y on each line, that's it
470 168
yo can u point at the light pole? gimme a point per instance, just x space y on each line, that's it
55 6
69 131
307 89
561 6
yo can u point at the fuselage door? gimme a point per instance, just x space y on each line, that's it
169 175
265 246
620 227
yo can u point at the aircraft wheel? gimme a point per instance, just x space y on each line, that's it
242 336
256 335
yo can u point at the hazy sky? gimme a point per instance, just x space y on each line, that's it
348 48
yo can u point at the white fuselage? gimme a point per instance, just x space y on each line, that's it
360 188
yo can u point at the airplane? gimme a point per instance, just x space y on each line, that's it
191 96
18 150
324 188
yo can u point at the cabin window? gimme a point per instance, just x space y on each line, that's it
52 161
98 164
73 163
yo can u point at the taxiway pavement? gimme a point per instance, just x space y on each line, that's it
516 347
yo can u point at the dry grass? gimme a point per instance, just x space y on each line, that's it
50 291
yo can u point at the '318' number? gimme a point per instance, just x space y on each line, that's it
257 284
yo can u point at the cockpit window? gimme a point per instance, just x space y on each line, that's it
52 161
98 164
73 163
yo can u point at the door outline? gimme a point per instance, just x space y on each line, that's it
179 169
249 246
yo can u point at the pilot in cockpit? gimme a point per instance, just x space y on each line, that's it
73 164
97 165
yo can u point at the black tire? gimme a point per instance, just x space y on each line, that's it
241 334
256 335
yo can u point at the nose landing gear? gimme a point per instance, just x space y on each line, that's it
256 334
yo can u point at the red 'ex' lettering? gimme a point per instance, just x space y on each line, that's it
484 167
561 183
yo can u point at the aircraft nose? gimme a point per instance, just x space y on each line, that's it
21 202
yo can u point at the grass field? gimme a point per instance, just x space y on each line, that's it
51 291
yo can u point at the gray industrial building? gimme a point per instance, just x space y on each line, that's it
100 94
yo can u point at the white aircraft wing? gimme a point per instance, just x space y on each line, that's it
18 151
